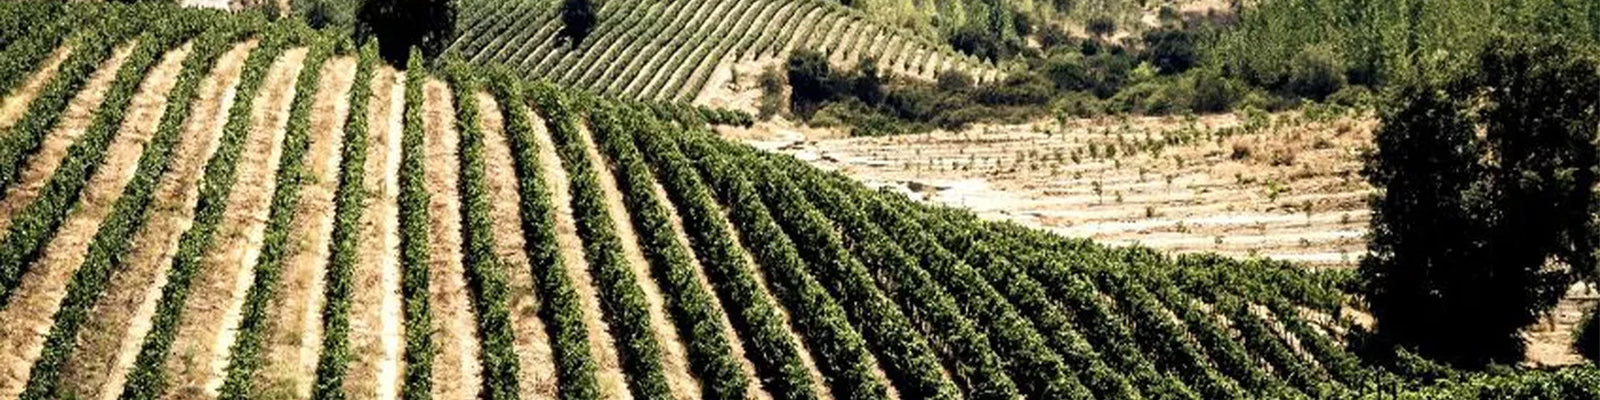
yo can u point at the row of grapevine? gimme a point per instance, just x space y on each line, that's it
839 349
905 354
563 317
1040 372
669 50
415 250
148 378
245 357
486 274
349 202
102 260
622 300
697 318
751 309
32 227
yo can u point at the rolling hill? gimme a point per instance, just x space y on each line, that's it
203 205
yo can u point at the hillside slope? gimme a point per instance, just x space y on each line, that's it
649 250
668 50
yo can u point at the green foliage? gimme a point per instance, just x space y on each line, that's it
751 310
148 378
839 350
128 215
560 309
697 318
244 359
416 250
400 26
621 298
578 18
349 206
1315 73
486 274
1467 222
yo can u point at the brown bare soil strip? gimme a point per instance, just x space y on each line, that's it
536 374
294 331
457 374
29 317
674 357
375 306
608 368
824 391
75 120
212 312
16 102
737 344
108 344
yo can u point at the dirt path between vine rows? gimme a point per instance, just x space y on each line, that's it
457 373
674 357
536 374
109 342
736 343
375 295
294 329
211 313
36 169
31 313
16 102
608 369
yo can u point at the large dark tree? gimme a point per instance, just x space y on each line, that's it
578 18
400 25
1475 236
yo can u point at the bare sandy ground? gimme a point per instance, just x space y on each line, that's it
674 357
457 372
536 374
608 368
31 313
375 364
16 102
294 332
75 119
107 346
211 316
1290 190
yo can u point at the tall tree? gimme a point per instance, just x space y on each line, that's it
578 18
399 25
1474 237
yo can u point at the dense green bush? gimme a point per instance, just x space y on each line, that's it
1315 73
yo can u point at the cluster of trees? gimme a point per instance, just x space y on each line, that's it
1486 208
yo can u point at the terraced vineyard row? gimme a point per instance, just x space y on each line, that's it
251 213
669 50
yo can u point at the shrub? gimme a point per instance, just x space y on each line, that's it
1315 73
1101 26
1052 36
953 80
1170 50
1068 73
1211 91
772 100
867 84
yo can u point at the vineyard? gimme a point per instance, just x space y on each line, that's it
205 205
669 50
